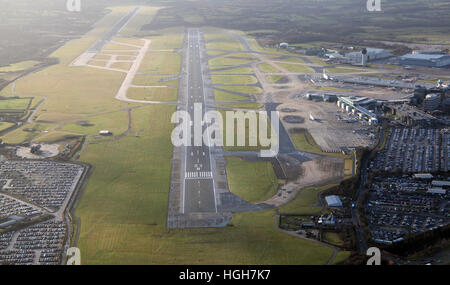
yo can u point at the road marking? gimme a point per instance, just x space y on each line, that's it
198 175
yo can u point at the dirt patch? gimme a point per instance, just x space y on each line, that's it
46 151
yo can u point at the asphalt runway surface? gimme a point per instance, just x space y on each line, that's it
199 192
107 37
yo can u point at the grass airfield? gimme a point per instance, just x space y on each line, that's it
124 206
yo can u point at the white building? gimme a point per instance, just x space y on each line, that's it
105 133
284 45
440 183
333 201
371 55
431 102
437 190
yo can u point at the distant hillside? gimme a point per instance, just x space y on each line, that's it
299 21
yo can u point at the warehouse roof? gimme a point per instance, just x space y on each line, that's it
423 56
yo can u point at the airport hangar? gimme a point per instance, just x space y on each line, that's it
429 60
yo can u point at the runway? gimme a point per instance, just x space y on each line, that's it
199 195
107 37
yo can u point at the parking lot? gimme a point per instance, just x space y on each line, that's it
29 190
399 206
414 150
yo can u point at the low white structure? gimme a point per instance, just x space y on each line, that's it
284 45
440 183
333 55
437 190
423 176
333 201
105 133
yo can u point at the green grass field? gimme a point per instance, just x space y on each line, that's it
268 68
14 104
252 181
304 141
296 68
5 125
219 62
233 70
273 78
154 94
233 79
56 136
161 63
341 256
224 96
343 70
305 202
244 105
226 45
19 66
124 206
254 137
115 122
333 238
243 89
167 39
123 211
293 59
150 80
122 65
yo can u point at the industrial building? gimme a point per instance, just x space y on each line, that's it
429 60
372 54
359 106
431 98
409 115
431 102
